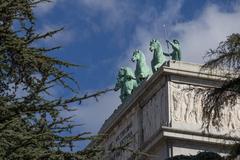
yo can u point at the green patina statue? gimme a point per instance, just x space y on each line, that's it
126 81
142 71
176 53
158 55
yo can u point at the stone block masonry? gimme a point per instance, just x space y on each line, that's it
163 117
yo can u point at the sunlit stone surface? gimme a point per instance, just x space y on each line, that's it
163 117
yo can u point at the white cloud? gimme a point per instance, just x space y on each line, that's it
99 4
205 32
44 7
93 114
196 37
152 29
115 12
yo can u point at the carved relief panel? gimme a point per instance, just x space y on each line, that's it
186 111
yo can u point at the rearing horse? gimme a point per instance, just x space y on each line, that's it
126 81
142 71
158 55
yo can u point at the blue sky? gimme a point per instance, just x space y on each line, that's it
101 35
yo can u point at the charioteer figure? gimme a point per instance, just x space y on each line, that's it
176 53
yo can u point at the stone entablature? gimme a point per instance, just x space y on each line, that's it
162 117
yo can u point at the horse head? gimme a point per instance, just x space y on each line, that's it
154 44
158 55
120 78
121 72
137 54
176 41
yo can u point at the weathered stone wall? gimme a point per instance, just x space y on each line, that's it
155 113
163 118
124 132
139 125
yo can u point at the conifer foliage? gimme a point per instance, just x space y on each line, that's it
225 58
31 125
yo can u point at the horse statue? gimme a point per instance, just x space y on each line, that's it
158 55
126 81
142 71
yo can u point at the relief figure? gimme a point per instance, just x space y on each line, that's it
177 109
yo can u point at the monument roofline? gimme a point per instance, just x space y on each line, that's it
168 68
163 116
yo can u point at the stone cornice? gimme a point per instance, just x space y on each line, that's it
172 133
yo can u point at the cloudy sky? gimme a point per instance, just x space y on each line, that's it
102 34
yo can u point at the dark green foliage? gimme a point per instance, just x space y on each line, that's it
208 156
235 151
31 126
181 157
199 156
225 57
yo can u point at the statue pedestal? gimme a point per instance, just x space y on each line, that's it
163 117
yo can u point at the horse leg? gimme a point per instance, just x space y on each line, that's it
158 66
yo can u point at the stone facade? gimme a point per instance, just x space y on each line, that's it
163 117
